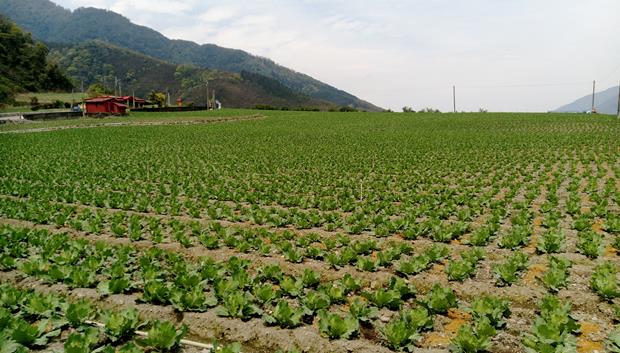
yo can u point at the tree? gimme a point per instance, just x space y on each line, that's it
348 109
97 90
407 109
430 110
158 98
24 66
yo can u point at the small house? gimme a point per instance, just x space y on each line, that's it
133 102
105 106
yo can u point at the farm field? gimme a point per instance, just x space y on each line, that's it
313 232
50 97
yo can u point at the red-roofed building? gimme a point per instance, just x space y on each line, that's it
133 102
110 105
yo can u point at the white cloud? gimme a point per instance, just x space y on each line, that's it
501 55
218 14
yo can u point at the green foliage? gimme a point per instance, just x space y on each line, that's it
590 244
418 318
459 270
238 304
310 278
291 286
556 276
474 339
335 326
612 344
553 330
440 299
284 316
157 98
184 300
79 312
494 309
81 342
385 298
552 241
359 309
516 238
24 65
481 236
265 293
330 189
402 332
316 301
98 90
604 282
508 272
157 292
163 336
120 325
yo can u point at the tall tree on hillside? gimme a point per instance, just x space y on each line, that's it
24 65
97 90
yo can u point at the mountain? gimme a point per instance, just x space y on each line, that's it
606 102
52 23
100 62
24 65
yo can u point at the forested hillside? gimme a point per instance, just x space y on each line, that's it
605 102
52 23
100 62
24 65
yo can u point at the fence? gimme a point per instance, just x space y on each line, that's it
51 115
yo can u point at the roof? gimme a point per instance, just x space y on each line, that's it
99 99
132 98
117 99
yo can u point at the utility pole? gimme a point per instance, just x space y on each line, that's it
207 106
619 100
454 98
593 93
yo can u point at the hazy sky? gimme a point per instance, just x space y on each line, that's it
503 55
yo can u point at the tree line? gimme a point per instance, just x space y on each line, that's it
24 66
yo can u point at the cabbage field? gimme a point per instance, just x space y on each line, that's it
311 232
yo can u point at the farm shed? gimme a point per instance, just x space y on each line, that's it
133 102
105 106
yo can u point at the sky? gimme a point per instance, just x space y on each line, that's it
502 55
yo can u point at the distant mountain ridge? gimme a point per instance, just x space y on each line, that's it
54 24
605 102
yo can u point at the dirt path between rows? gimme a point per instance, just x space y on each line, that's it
197 121
524 296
